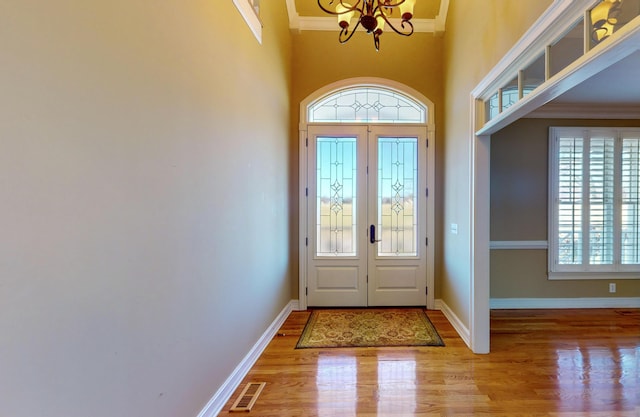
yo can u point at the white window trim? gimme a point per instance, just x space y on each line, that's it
249 14
561 272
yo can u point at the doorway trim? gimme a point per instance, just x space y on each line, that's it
302 166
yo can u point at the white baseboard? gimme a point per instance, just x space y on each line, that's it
601 302
220 398
457 324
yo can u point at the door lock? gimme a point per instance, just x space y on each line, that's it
372 234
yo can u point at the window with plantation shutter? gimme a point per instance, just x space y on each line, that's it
630 210
594 213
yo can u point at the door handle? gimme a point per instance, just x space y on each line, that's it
372 234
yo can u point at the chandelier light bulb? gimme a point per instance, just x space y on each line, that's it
345 14
380 26
406 9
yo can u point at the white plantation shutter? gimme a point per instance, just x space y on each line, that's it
601 202
594 202
630 210
569 200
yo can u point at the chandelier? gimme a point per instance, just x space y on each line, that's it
372 15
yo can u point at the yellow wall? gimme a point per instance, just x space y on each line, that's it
478 34
145 201
319 59
519 195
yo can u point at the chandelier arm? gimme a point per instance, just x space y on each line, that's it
345 32
407 32
348 9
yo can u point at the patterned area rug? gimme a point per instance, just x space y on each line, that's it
368 328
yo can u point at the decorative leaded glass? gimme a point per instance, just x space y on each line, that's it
397 196
510 94
492 106
367 105
336 196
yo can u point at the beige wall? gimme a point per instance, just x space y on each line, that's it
144 189
519 196
319 59
478 34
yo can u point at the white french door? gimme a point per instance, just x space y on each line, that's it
366 215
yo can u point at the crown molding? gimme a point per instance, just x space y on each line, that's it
441 18
294 17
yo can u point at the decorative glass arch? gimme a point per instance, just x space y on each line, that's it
366 104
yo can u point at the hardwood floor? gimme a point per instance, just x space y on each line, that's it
562 363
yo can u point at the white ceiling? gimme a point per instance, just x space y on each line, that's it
617 85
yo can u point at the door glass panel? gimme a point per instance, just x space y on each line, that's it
336 196
397 204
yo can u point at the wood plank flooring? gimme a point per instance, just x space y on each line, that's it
561 363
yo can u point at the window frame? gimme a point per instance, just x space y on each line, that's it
617 270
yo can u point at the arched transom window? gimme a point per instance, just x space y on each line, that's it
367 105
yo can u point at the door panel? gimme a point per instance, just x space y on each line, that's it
337 258
397 208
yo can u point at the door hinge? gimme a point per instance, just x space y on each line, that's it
426 241
306 192
426 291
306 241
306 142
306 291
427 192
367 279
427 143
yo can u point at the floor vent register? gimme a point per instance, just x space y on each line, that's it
248 397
